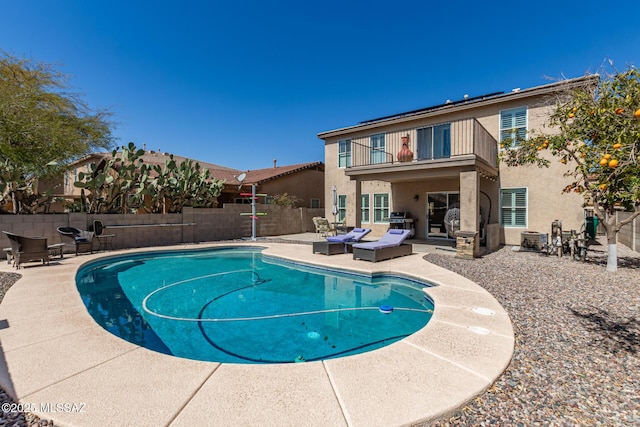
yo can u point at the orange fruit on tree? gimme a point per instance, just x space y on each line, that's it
571 115
619 111
563 161
603 162
637 114
613 163
540 148
583 155
607 156
603 186
617 146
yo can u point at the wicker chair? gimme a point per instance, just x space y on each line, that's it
82 240
25 249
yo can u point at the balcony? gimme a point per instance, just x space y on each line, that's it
438 151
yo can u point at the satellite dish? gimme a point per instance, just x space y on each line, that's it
241 178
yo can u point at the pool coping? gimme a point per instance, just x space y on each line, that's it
59 364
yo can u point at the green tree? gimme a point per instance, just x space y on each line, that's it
595 131
42 125
286 199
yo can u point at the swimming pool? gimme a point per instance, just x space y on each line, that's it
235 305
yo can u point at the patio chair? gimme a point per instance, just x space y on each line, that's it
25 249
323 228
389 246
82 240
341 243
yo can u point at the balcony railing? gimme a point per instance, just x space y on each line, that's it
466 137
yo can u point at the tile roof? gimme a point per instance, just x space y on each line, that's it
260 176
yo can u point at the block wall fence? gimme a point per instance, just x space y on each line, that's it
193 225
629 235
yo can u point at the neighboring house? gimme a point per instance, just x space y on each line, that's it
304 181
451 162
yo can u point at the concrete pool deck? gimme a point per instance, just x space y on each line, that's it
54 355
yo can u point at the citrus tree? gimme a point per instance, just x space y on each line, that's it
595 131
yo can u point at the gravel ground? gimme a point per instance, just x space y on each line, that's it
577 328
577 354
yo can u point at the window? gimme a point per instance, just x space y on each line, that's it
513 123
364 209
381 208
342 207
378 154
434 142
315 203
513 207
344 153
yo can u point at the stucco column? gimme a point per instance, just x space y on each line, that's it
470 210
358 204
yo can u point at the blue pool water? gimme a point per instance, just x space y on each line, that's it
235 305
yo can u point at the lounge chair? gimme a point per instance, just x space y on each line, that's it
389 246
341 243
25 249
82 240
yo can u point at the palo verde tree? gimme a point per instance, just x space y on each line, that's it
595 131
42 126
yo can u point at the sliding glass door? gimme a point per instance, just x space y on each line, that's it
437 206
434 142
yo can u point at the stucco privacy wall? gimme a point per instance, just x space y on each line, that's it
190 226
629 235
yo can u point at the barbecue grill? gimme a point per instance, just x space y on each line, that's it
403 221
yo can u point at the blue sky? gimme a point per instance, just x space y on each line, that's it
242 83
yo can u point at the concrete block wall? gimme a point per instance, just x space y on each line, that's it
190 226
33 226
629 235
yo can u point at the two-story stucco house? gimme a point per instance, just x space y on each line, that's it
451 161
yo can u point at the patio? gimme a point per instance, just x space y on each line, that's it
54 352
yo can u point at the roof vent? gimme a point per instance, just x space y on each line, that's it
274 163
516 90
466 96
448 101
